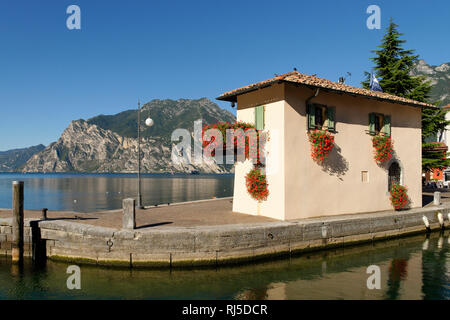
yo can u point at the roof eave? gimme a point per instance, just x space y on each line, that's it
360 95
233 96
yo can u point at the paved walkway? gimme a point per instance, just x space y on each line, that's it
428 195
199 213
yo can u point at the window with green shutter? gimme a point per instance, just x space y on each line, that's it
372 123
321 117
259 118
311 114
331 124
379 124
387 125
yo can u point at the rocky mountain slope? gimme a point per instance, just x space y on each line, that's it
109 143
12 160
440 78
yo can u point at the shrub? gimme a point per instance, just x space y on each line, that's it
383 148
399 196
257 185
321 144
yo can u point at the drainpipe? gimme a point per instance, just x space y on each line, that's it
313 96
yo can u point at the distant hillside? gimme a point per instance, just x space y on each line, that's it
440 78
167 115
12 160
107 143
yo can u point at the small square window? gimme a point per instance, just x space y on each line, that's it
365 176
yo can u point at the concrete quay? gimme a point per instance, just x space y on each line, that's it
193 234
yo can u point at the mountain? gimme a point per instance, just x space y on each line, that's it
12 160
440 78
167 115
108 143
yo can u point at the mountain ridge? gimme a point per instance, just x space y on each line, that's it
439 77
108 143
12 160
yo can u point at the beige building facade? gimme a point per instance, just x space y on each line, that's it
349 180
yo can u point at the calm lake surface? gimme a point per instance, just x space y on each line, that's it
411 268
93 192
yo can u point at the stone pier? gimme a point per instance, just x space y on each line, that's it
171 237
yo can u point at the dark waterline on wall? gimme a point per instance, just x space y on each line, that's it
93 192
410 268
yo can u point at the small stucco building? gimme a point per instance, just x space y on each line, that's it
349 180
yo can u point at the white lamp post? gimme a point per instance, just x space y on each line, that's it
149 123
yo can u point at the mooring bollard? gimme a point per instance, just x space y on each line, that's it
17 221
44 214
129 214
437 198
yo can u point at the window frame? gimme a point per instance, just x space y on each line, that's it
386 127
328 116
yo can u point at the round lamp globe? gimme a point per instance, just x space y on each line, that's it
149 122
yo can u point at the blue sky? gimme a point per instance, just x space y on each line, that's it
126 50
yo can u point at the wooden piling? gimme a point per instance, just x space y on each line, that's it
17 221
44 214
129 214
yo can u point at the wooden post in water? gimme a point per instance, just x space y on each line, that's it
17 221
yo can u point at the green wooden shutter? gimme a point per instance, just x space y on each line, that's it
259 118
387 125
372 123
311 115
331 114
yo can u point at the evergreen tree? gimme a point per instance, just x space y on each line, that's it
393 66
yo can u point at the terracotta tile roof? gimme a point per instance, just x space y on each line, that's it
316 82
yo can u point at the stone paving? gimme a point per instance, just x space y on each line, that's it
190 214
196 213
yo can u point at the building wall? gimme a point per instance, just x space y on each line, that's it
274 206
335 187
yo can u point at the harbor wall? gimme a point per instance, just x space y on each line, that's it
215 245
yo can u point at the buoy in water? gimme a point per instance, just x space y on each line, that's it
441 219
426 223
425 244
440 242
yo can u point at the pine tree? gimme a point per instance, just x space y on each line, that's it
393 66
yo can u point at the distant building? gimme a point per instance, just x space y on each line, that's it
349 180
444 138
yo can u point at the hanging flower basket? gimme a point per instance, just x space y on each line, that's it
399 197
251 147
321 144
257 185
383 146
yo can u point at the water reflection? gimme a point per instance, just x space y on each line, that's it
436 270
90 192
397 272
407 272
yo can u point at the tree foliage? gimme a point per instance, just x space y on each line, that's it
393 66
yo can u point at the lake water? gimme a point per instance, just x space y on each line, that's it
93 192
411 268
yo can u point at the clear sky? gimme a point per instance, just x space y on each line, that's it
125 50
